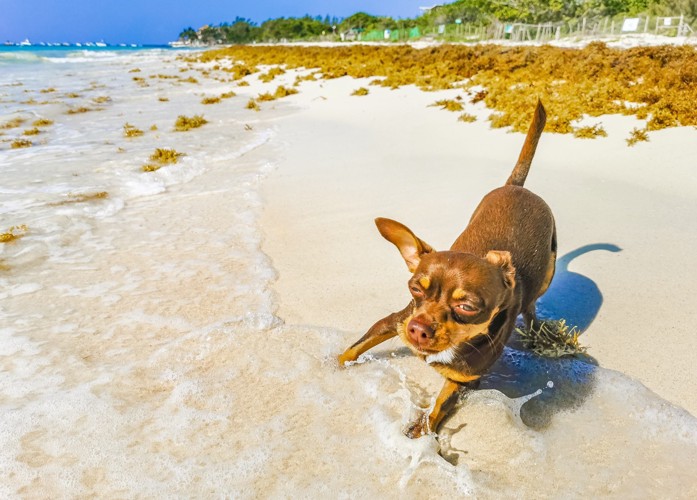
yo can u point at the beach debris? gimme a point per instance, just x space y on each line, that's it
163 99
449 104
227 95
81 109
21 143
552 339
360 91
13 123
161 158
140 81
252 104
467 118
271 74
590 132
31 131
14 233
42 122
131 131
248 127
282 92
637 135
82 198
265 97
185 123
210 100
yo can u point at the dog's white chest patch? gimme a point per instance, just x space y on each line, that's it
445 357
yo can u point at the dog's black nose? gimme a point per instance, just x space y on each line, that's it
419 332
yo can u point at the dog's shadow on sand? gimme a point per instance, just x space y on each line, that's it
573 296
565 382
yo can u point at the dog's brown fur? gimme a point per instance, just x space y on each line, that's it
466 300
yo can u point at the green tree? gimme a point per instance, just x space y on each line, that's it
240 31
188 35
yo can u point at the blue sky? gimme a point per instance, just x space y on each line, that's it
160 21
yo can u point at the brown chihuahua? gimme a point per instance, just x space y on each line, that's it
466 300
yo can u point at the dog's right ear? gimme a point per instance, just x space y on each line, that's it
407 242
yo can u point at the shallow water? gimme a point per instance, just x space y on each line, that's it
141 355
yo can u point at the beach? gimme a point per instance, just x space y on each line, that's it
179 335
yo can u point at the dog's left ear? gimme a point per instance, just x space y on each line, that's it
502 259
408 244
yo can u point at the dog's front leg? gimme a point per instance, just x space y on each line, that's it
381 331
444 404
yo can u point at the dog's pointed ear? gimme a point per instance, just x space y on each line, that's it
502 259
409 245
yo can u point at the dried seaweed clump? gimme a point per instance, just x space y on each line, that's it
14 233
102 99
360 91
227 95
42 122
239 71
637 135
252 104
81 109
131 131
266 96
210 100
31 131
553 339
467 118
83 198
271 74
282 91
185 123
161 157
590 132
311 77
48 90
21 143
163 99
14 123
449 104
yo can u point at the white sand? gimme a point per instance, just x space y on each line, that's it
351 159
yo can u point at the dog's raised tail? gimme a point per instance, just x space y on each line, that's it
521 169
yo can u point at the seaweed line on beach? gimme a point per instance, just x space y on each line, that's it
656 84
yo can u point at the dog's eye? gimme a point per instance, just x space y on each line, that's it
416 291
465 309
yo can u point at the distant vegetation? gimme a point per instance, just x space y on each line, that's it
241 30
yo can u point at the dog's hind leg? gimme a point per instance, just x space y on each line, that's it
381 331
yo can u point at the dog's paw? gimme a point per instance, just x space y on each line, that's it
343 359
417 428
